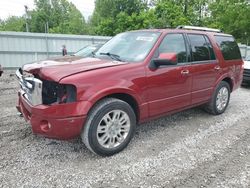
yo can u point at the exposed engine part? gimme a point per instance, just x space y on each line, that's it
54 92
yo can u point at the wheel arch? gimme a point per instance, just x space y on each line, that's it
226 78
229 81
128 99
124 96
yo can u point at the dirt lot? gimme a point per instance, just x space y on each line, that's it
188 149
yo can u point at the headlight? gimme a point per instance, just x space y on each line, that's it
55 93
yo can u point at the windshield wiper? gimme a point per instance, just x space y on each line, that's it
113 56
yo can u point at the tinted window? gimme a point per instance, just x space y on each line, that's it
229 47
210 48
174 43
199 47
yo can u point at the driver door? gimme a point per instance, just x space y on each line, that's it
169 86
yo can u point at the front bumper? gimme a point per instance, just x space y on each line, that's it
64 121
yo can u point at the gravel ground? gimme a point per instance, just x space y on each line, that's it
188 149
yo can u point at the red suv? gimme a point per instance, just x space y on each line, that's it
134 77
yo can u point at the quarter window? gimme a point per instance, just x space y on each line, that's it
228 47
174 43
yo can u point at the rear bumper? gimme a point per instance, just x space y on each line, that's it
64 121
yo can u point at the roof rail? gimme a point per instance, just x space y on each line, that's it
199 28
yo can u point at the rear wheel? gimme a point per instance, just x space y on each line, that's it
220 99
109 127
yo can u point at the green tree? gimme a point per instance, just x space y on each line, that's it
124 22
62 17
13 23
113 16
108 13
178 12
170 14
111 8
232 16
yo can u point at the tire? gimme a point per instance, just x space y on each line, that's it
213 106
106 119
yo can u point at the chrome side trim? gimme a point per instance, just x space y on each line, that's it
31 88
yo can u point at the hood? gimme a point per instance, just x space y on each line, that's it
246 64
59 68
50 62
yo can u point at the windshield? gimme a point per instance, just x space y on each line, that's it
130 46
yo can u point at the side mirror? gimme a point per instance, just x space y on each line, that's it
163 59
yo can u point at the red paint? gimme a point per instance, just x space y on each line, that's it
65 122
157 92
169 56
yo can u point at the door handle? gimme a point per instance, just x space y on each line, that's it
217 67
185 72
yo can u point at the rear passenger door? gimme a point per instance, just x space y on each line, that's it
204 67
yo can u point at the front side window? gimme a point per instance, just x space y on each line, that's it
129 46
199 48
174 43
228 47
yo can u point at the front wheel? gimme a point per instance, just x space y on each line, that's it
109 127
220 99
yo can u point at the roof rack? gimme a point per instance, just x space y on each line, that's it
199 28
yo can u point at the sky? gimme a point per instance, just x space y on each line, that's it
16 7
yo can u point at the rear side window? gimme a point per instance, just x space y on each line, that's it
201 48
228 47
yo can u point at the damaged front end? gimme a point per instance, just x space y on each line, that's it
55 93
31 87
39 91
51 107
